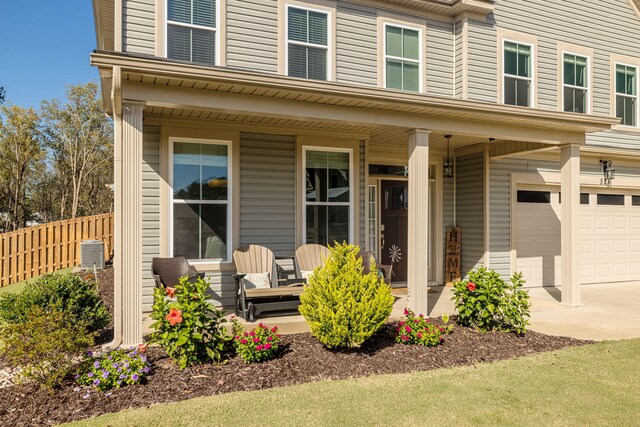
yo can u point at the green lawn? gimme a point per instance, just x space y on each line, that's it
17 287
592 385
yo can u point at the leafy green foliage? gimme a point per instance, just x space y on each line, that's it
420 330
342 306
46 346
115 369
187 326
78 299
258 345
488 303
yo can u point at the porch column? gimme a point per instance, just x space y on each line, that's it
418 242
128 224
570 224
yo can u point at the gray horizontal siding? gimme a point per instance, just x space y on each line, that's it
482 61
139 26
267 192
150 210
615 139
470 210
356 45
458 59
439 60
606 26
252 34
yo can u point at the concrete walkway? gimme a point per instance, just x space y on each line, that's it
610 311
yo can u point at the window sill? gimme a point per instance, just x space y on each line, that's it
203 266
626 129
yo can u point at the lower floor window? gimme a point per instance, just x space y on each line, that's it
200 231
327 224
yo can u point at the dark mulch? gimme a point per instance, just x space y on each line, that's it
302 360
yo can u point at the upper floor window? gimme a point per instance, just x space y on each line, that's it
627 94
402 58
518 74
191 31
307 43
575 87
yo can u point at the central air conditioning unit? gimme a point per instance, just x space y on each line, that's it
92 254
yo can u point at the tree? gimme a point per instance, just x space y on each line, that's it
3 95
79 136
20 151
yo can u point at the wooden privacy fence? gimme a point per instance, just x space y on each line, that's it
32 251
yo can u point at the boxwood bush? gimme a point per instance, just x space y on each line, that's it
343 307
67 293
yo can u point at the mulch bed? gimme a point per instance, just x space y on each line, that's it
302 360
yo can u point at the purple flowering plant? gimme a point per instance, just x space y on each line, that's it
115 369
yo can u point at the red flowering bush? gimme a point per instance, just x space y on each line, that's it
486 302
419 330
258 345
187 326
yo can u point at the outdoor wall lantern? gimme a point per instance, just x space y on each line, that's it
608 172
448 164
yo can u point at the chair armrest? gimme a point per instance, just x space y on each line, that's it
158 281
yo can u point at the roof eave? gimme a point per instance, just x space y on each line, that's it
159 67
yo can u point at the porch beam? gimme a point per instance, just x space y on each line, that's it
238 103
418 241
128 224
570 224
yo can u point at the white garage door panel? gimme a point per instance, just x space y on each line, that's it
609 241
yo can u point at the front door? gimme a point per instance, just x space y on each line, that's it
394 231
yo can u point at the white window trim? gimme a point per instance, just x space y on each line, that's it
216 30
616 94
532 79
228 202
328 47
587 80
306 148
420 60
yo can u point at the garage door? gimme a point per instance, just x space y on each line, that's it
609 236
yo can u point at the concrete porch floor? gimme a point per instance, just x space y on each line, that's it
610 311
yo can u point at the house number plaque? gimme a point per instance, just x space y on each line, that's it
453 267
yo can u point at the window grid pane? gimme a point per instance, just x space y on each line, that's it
402 71
310 28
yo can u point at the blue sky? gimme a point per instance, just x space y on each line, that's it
44 45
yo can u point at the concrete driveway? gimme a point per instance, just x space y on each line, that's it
610 311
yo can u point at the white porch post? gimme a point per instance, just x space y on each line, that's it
418 242
128 223
570 227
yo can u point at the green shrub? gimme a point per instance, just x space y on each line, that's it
115 369
189 328
258 345
342 306
78 299
420 330
488 303
46 346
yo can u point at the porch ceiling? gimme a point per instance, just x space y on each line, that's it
379 137
172 85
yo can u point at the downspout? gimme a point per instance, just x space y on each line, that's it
116 100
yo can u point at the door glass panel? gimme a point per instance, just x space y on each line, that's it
396 198
635 200
528 196
610 199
